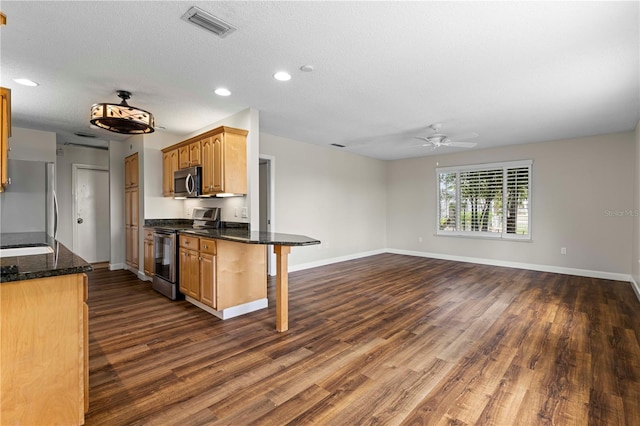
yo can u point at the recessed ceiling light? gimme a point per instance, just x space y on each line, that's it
26 82
282 76
221 91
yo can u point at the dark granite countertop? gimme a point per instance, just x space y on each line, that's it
253 237
61 262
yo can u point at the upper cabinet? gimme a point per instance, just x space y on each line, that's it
131 171
5 129
222 153
189 155
169 165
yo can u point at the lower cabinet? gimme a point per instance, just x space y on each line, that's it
148 252
44 351
221 274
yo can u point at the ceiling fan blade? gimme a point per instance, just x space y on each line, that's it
460 144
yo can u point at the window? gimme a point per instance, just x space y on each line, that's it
489 200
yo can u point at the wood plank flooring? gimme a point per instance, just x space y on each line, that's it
388 339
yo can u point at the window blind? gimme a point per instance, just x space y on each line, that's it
490 200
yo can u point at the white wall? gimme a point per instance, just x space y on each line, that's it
334 196
575 182
72 155
636 220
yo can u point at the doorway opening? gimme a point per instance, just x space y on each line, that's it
267 202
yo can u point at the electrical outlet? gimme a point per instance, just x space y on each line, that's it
244 212
563 250
235 212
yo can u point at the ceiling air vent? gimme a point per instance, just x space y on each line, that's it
208 22
338 145
84 135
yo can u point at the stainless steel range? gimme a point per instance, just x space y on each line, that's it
165 247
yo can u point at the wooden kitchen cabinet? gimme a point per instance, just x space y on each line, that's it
131 210
189 267
44 350
131 171
189 155
169 165
5 133
208 279
148 252
222 152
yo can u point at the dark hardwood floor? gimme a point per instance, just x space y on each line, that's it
388 339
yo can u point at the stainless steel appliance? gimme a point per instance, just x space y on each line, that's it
187 182
29 203
165 247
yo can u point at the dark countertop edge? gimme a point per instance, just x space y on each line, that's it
62 262
245 240
7 278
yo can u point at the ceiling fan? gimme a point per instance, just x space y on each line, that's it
438 139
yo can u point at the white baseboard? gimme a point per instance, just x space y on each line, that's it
534 267
143 277
233 311
636 287
116 266
518 265
323 262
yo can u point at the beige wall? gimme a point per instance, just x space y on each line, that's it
336 197
636 220
575 183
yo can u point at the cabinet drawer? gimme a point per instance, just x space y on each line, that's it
189 242
148 234
207 246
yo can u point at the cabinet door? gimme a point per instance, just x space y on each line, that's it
208 279
135 252
127 208
183 157
207 166
218 163
134 207
169 165
131 171
194 154
128 244
194 275
5 132
148 258
183 260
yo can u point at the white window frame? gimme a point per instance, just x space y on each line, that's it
480 167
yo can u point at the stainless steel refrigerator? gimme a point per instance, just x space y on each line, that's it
29 202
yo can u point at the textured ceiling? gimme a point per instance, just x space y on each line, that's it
513 72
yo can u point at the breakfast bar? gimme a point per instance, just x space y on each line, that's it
282 244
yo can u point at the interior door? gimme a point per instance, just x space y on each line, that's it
91 234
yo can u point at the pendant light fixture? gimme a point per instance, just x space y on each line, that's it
122 118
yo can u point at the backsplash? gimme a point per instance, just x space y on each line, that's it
231 208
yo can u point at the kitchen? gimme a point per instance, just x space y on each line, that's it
358 206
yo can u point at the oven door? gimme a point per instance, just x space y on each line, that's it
164 247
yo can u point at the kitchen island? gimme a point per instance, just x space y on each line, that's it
44 332
282 244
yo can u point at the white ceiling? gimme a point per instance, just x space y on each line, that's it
513 72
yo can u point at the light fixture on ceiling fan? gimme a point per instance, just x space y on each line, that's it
122 118
438 139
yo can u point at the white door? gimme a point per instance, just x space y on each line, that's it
91 234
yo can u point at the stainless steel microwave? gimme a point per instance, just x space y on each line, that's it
187 182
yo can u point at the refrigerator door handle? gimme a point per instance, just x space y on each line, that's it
55 215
